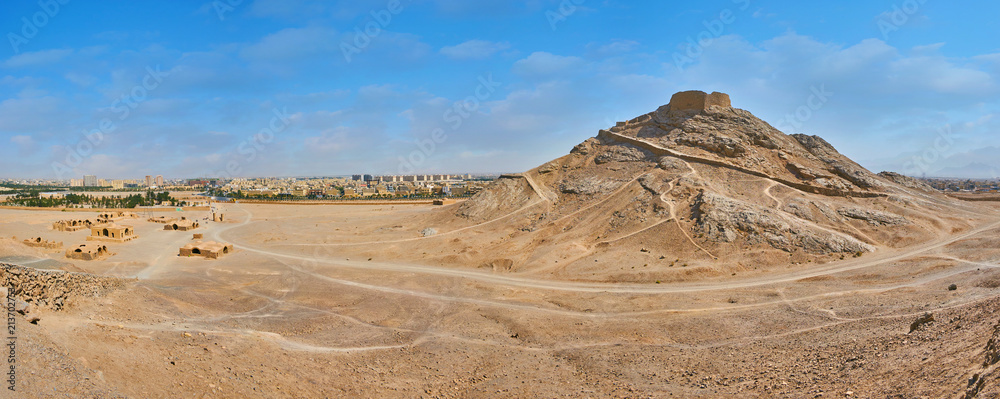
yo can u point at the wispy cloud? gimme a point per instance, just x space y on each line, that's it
37 58
474 50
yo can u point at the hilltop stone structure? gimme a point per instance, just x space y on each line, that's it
112 232
88 252
218 217
209 250
697 100
38 242
72 225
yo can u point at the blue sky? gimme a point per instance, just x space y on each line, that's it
236 88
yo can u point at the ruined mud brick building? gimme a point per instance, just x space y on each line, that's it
181 225
110 217
209 250
38 242
112 232
88 252
72 225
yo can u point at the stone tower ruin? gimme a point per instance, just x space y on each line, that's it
696 100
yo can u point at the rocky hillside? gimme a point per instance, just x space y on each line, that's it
700 182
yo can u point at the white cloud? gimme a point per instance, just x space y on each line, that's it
616 47
293 50
294 43
474 50
37 58
330 141
80 79
542 64
23 141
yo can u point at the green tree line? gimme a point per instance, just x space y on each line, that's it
33 199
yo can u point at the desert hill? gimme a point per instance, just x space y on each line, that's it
516 292
695 188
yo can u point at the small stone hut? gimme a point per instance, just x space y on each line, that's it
112 232
38 242
181 225
209 250
72 225
108 217
162 219
88 252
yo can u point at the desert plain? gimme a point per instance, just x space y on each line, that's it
765 266
281 320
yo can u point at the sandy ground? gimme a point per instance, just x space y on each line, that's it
295 312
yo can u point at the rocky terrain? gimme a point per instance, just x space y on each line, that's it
705 183
691 252
52 289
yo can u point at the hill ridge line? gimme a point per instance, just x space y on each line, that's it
662 151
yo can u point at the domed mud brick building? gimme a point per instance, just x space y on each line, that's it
88 252
181 225
71 225
112 232
111 217
208 250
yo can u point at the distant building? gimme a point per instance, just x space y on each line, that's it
88 252
181 225
149 181
357 177
72 225
159 181
209 250
203 182
90 181
111 232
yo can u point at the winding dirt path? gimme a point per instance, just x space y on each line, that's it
832 268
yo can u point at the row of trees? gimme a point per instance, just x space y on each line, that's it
33 199
241 195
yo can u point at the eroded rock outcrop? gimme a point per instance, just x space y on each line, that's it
506 195
53 289
877 218
906 181
725 219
